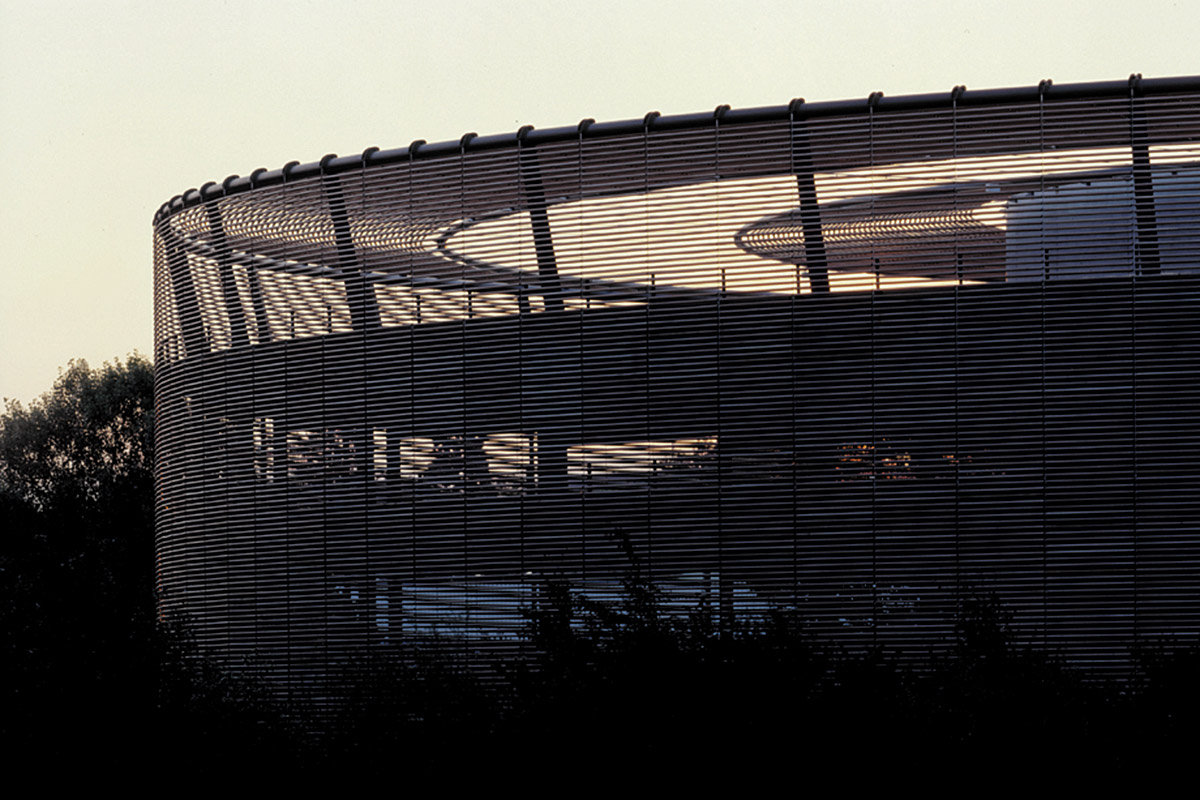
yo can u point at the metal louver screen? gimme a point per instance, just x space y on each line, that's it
855 359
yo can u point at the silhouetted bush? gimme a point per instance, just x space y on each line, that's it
627 680
89 674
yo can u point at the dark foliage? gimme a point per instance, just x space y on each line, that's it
632 684
87 670
418 701
1160 715
76 494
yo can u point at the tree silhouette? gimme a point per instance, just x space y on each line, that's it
76 492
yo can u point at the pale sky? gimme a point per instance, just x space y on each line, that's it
109 109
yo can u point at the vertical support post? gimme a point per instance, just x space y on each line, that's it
188 305
815 259
233 305
258 300
364 311
955 93
1143 182
530 172
259 303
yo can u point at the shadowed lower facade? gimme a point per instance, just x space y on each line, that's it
856 359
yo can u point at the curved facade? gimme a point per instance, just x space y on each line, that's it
855 359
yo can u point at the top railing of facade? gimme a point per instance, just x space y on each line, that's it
952 189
